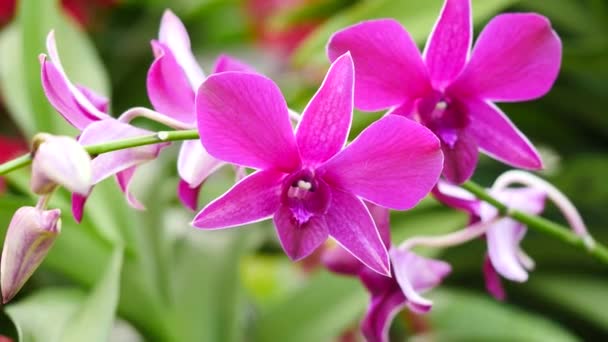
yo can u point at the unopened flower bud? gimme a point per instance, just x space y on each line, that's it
29 237
60 160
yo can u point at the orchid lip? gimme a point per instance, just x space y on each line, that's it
305 194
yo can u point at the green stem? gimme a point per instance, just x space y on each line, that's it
542 225
110 146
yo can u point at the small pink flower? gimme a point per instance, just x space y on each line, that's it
309 182
450 89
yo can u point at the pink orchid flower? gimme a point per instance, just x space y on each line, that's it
88 112
412 275
309 182
172 82
450 89
505 256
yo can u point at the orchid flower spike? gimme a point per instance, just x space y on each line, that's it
309 182
173 79
61 161
411 275
452 90
88 112
503 234
29 237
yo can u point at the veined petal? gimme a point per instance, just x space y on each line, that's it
351 225
456 197
255 198
381 217
228 63
59 93
388 65
243 119
100 102
460 160
516 58
188 195
173 33
503 248
394 163
111 163
380 314
299 240
194 164
498 137
326 120
168 87
449 44
417 274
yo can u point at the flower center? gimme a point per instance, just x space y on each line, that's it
305 195
445 117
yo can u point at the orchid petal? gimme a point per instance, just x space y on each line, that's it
377 321
493 282
340 261
388 65
194 164
326 120
100 102
503 247
516 58
59 93
66 95
299 240
229 63
499 138
460 160
351 225
188 195
449 44
111 163
168 88
456 197
243 119
394 163
381 217
173 33
123 178
78 202
253 199
530 200
417 274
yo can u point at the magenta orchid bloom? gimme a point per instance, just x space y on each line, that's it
504 236
172 82
309 182
413 275
450 90
88 112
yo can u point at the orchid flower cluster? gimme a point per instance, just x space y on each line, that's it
300 170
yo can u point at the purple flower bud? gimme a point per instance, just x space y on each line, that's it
29 237
61 161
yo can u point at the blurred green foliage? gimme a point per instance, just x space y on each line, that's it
177 284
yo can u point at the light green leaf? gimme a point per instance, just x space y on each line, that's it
462 316
320 311
418 17
56 314
583 295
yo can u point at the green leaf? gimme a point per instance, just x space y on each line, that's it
463 316
320 311
583 295
58 314
20 67
418 17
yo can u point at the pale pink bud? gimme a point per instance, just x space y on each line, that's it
61 161
29 237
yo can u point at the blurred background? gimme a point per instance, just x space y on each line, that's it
172 283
